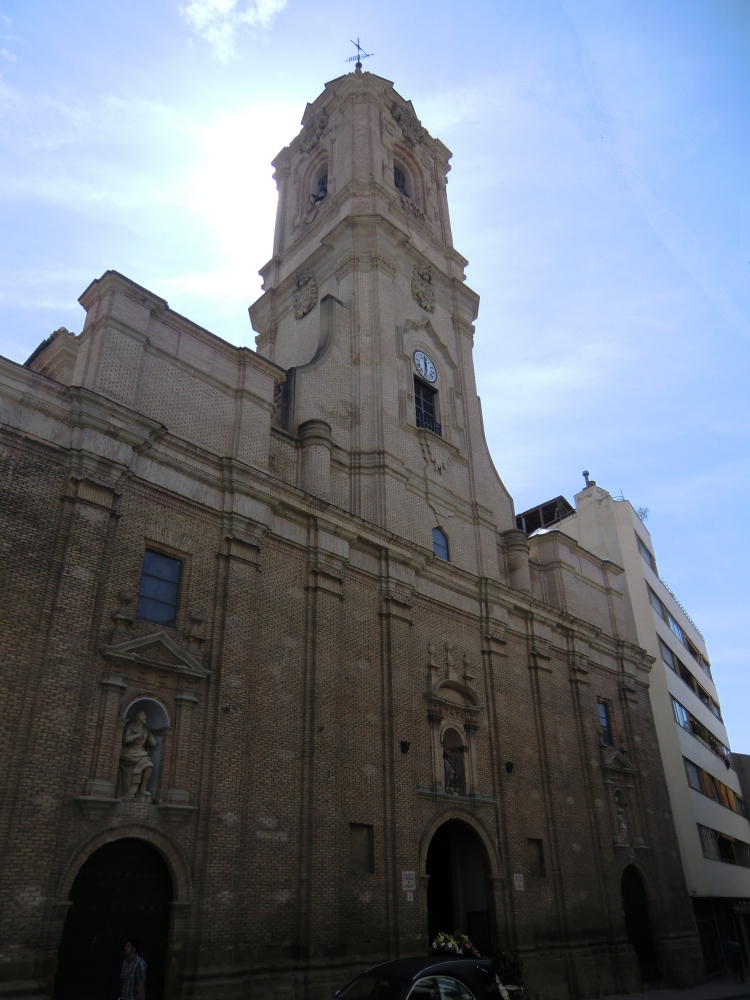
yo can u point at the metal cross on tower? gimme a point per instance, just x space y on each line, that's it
361 54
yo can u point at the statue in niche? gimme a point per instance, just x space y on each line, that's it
135 764
451 776
622 826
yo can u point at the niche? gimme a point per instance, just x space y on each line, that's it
157 721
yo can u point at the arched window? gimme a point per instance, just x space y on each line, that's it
620 798
401 179
440 544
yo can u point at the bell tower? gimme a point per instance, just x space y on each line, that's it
365 304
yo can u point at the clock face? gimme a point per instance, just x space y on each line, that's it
424 366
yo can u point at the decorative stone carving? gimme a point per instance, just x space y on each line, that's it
195 636
312 132
123 617
97 799
422 287
157 650
411 127
450 672
469 677
176 807
306 295
135 764
411 206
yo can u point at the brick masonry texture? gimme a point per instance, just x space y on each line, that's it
315 628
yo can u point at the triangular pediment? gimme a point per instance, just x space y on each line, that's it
156 650
617 760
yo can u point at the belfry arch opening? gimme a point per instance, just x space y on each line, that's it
635 910
124 890
458 896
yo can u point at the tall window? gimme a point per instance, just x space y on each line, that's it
440 544
399 179
682 715
425 402
645 552
605 725
361 848
160 582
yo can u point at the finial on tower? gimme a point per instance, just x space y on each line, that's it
361 54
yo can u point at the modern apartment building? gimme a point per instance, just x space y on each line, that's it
712 826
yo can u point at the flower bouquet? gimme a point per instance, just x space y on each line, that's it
465 947
444 944
508 970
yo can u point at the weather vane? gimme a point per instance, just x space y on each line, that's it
361 54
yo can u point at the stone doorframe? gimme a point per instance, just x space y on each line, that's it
494 877
179 908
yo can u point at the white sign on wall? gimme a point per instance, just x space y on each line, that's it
408 881
518 883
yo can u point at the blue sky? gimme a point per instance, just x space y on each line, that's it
600 189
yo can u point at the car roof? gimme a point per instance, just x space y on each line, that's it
413 968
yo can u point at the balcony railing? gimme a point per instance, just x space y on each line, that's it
429 423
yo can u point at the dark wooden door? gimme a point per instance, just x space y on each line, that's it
122 891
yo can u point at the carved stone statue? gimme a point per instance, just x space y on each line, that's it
451 777
411 127
422 287
622 826
312 132
135 764
306 295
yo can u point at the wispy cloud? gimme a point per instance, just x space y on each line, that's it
221 21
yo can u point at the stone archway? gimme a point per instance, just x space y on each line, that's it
123 889
635 910
458 896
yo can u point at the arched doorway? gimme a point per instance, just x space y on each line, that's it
124 889
457 896
638 923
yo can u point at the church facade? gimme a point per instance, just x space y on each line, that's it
286 691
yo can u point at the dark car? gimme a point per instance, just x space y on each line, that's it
435 978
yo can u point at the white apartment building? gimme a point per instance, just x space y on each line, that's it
709 815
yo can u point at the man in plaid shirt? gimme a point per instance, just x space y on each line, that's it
133 973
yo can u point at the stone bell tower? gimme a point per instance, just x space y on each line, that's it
366 307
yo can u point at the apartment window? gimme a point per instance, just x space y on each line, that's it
726 849
667 655
657 605
535 858
693 775
440 544
160 583
604 724
644 551
708 843
676 629
712 788
425 403
681 714
361 848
